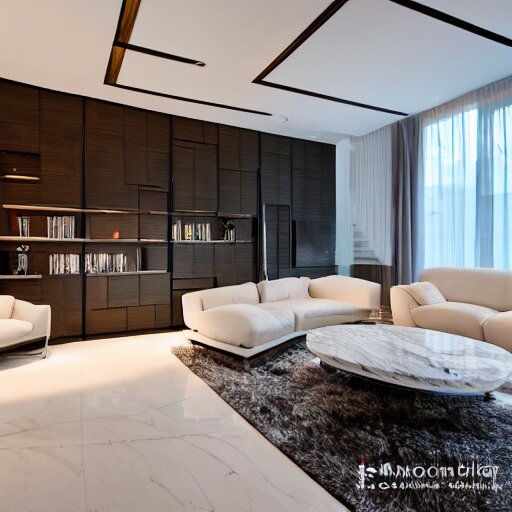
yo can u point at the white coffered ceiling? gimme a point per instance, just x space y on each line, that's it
374 52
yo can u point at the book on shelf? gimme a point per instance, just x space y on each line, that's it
64 264
176 231
201 231
61 226
24 226
102 263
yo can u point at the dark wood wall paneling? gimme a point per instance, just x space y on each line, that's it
126 164
313 199
298 189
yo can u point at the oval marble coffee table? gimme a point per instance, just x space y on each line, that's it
413 358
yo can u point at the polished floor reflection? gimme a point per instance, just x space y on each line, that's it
122 425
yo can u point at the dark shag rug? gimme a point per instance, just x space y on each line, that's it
325 420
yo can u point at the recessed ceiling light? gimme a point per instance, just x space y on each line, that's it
314 136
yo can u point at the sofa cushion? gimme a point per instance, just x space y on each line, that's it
288 288
246 293
498 330
244 325
453 317
6 306
426 293
309 309
13 330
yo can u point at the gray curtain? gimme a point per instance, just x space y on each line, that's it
407 198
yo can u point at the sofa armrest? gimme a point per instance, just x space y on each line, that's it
192 309
401 304
38 315
358 292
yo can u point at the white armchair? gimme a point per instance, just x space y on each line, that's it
22 323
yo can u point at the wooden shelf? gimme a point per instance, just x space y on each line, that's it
34 208
129 273
124 241
211 242
20 277
40 239
19 177
236 215
43 239
180 213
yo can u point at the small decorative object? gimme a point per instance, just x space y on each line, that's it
176 230
22 260
229 231
116 235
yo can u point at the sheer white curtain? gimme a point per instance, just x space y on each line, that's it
371 191
466 155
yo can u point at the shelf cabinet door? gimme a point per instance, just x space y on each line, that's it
19 118
183 177
205 177
275 169
61 149
194 176
105 151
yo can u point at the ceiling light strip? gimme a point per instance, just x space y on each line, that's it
452 20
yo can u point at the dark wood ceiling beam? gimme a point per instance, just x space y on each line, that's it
125 25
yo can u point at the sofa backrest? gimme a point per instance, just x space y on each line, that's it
6 306
246 293
288 288
491 288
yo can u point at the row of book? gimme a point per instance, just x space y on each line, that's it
105 263
61 227
94 263
24 226
64 264
192 231
56 226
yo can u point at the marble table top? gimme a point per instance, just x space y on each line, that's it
413 357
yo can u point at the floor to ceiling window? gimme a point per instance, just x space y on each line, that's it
467 180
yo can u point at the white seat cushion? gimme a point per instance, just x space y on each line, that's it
310 309
12 331
453 317
244 325
498 330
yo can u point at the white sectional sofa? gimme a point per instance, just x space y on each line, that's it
22 322
247 319
476 303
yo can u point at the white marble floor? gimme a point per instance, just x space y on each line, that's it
122 425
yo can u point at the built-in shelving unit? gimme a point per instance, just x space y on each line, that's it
108 180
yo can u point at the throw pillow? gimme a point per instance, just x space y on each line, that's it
426 293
